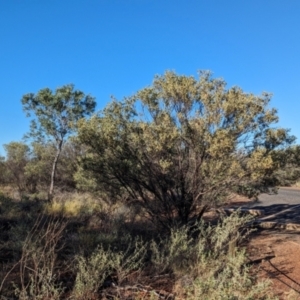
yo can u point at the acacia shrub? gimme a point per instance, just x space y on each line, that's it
180 145
288 166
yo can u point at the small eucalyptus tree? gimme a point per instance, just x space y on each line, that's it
17 157
56 114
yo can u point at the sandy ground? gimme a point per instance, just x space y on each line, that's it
280 254
282 264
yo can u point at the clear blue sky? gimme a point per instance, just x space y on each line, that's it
110 47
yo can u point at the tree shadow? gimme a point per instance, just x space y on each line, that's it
280 273
272 217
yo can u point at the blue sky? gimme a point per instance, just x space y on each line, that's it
110 47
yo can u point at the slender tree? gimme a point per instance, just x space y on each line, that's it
56 114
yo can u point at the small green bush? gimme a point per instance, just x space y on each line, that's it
212 265
92 271
38 264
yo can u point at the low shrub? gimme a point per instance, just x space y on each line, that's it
38 264
91 272
212 265
89 259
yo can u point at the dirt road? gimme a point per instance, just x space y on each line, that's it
284 196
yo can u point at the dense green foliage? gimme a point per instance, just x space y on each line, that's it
28 167
56 115
17 157
287 166
181 145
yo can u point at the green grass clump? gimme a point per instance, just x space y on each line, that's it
73 205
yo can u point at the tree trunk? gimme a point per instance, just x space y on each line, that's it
54 166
